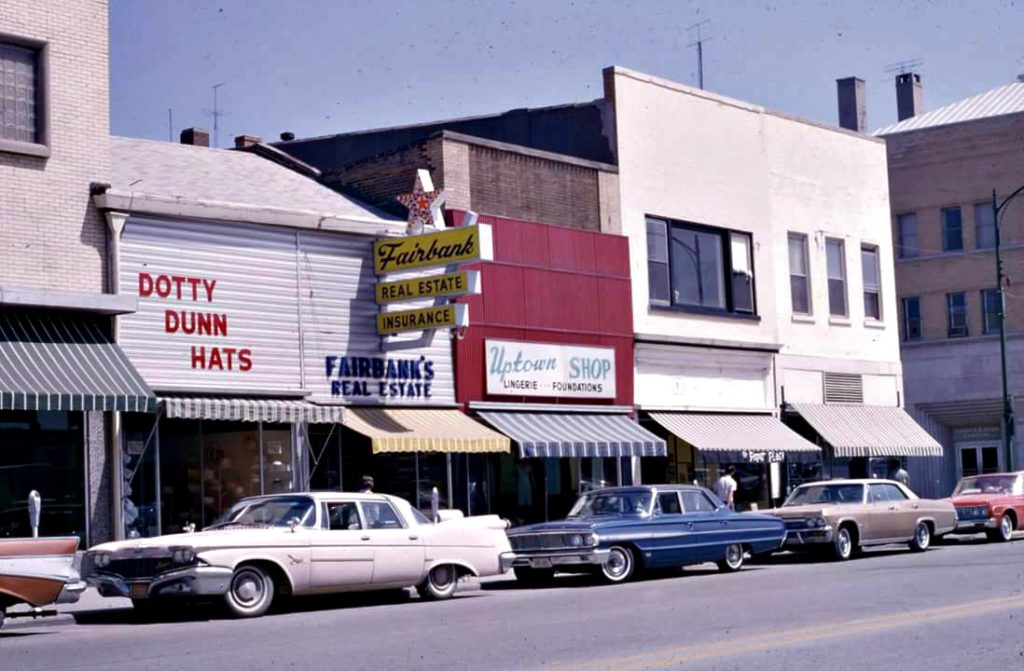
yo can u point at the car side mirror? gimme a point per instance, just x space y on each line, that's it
353 526
294 523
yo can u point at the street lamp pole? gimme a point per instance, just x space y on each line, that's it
997 210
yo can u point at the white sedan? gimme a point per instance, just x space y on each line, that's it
311 543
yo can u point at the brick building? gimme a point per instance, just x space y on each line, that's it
943 167
62 380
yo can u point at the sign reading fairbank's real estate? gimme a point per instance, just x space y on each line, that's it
446 247
537 369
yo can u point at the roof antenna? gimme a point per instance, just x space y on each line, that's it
903 67
216 114
699 43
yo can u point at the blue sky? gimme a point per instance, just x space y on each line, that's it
327 66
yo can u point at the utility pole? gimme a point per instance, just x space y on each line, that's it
700 51
1008 429
217 114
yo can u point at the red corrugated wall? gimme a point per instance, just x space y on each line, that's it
548 284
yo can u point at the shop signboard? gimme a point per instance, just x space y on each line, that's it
763 456
442 248
422 319
550 370
357 379
448 285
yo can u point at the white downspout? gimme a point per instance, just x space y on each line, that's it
116 222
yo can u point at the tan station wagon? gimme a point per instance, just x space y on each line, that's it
845 515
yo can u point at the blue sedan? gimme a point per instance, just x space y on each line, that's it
620 531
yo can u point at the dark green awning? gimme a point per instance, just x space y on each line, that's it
54 360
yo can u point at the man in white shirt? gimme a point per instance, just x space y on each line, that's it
725 488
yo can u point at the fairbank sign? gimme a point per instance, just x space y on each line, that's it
539 369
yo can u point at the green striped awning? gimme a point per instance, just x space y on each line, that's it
55 360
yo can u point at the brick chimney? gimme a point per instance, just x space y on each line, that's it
853 110
909 95
200 137
246 141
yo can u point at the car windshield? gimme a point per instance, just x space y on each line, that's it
832 494
596 504
989 484
276 512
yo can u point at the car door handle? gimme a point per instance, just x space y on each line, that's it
364 538
413 537
892 507
689 525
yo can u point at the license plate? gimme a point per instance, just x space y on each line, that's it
139 591
540 562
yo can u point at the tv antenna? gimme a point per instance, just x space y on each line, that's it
903 67
699 43
217 114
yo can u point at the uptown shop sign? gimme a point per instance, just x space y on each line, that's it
540 369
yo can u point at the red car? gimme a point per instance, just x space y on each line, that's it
993 503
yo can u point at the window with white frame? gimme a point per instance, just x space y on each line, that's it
906 231
836 268
956 314
699 268
799 274
20 88
872 282
991 310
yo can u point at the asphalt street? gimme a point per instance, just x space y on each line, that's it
960 605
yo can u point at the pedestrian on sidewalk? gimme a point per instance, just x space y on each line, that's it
366 485
725 487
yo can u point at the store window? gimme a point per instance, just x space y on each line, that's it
872 282
990 310
42 451
956 314
984 226
952 230
836 267
912 318
695 267
799 274
906 230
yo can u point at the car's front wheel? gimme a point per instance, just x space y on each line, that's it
621 564
843 545
1004 532
440 583
251 591
922 537
733 560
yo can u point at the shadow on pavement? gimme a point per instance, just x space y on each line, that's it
5 633
575 581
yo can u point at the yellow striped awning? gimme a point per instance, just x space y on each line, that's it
421 430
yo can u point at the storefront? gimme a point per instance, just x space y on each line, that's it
547 362
60 376
262 346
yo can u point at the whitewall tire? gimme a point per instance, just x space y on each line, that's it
440 583
251 591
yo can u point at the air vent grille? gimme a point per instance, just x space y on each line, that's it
844 388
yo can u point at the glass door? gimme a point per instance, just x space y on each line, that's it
978 459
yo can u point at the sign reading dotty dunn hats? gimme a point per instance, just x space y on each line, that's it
537 369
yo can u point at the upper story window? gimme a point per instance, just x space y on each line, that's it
799 274
694 267
22 117
912 318
984 226
990 310
836 266
956 314
906 231
952 230
872 282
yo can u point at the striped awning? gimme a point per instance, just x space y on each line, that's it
747 436
423 430
855 430
576 435
52 360
251 410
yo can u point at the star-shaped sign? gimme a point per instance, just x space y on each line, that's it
424 204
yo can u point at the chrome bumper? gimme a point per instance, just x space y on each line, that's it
72 591
556 558
797 537
974 526
191 581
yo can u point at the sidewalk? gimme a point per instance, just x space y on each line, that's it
91 601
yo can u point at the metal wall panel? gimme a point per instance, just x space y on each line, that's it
292 297
256 288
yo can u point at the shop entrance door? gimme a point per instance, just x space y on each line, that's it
978 459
